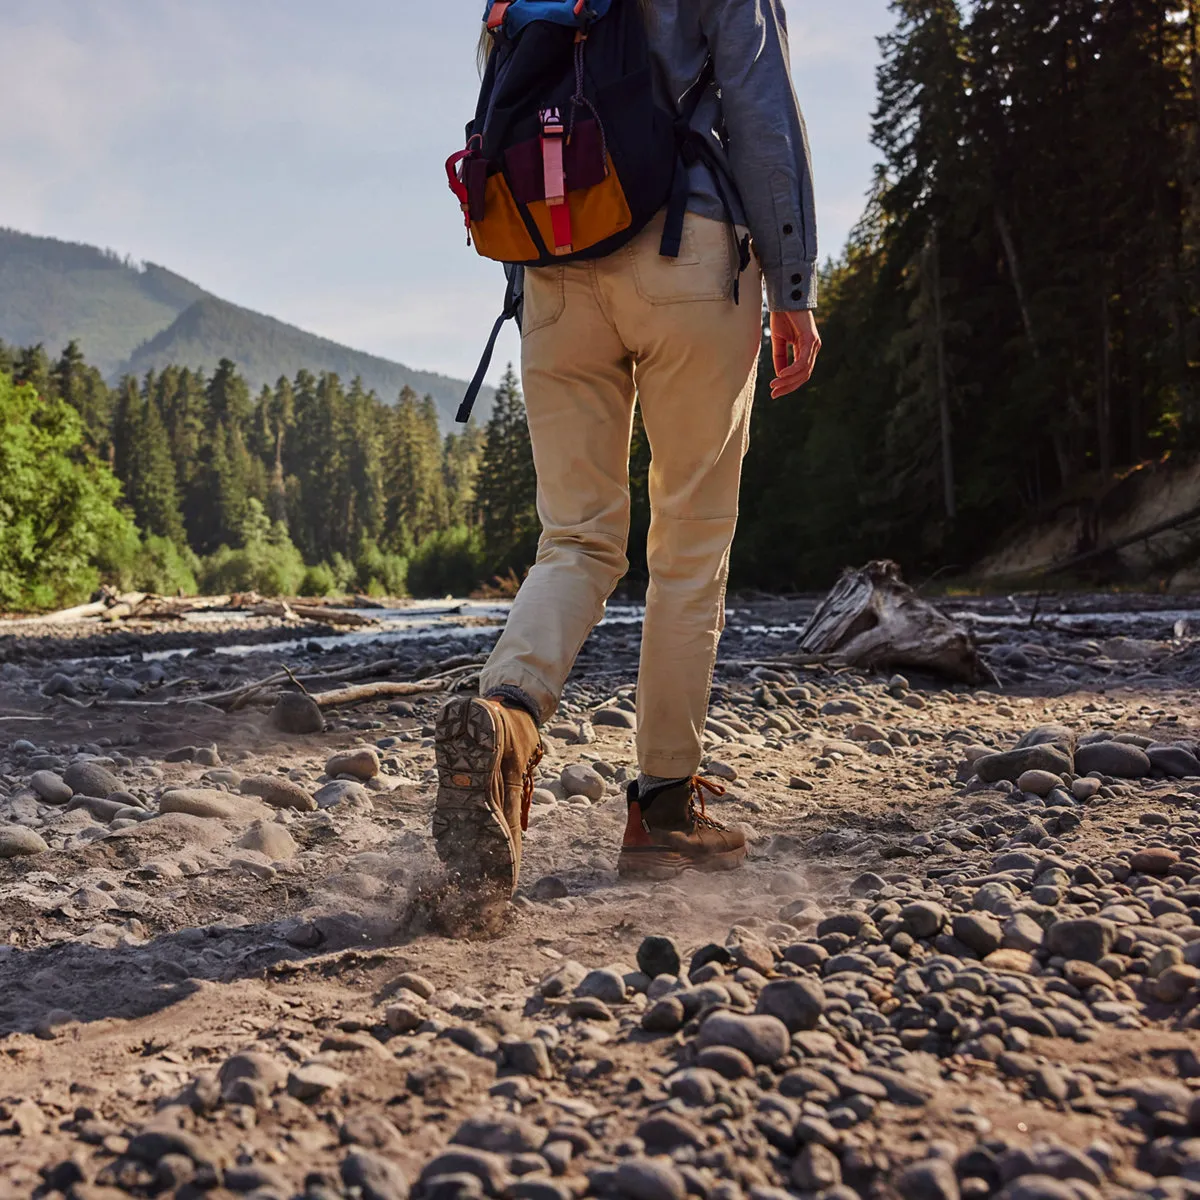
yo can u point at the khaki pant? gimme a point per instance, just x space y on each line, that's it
594 334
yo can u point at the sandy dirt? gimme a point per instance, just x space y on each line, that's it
138 955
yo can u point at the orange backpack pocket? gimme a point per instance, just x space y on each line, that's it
501 233
597 212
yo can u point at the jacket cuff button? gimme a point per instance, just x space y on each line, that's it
797 295
787 229
797 279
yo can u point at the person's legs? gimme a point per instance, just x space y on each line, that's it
578 382
696 355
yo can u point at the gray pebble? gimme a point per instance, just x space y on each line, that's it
798 1003
762 1039
51 787
649 1179
604 984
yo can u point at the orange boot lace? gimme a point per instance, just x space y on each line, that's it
699 786
527 785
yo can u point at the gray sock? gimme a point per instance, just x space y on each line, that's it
518 696
648 785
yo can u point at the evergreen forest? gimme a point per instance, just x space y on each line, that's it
183 481
1016 318
1014 321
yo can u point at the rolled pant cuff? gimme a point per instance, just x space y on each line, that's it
669 766
524 688
517 696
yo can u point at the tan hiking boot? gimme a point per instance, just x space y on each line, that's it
486 755
671 833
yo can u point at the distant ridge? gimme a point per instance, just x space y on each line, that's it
130 317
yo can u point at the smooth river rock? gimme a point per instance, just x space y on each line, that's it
91 779
1012 764
208 802
16 842
279 792
1112 758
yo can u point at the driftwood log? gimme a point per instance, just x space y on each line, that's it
873 619
113 606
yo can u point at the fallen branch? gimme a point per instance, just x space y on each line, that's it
332 616
344 697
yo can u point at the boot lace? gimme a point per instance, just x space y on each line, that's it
699 786
527 784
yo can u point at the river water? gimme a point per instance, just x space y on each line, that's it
470 619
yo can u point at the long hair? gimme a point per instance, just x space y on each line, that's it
484 49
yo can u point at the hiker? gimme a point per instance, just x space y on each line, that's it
639 281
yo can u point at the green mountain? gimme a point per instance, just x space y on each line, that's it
130 317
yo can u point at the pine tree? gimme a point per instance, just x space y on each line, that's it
32 368
414 479
143 463
506 488
84 389
229 397
461 454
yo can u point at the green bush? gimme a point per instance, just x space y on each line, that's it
449 562
266 562
381 573
318 581
154 564
58 504
345 573
271 570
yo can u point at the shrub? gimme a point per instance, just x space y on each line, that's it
449 562
271 570
153 564
380 573
318 581
345 573
58 504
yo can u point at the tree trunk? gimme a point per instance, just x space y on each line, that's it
1014 270
1104 391
943 390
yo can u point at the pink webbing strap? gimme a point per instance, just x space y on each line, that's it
555 178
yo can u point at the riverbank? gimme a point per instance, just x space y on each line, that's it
259 995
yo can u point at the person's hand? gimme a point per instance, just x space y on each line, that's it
795 332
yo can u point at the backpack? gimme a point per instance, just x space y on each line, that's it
570 155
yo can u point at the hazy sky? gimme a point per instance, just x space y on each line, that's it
287 154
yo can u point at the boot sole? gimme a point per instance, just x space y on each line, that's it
668 864
469 831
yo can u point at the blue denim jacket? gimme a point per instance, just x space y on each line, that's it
752 117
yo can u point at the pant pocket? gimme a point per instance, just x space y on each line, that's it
545 298
703 270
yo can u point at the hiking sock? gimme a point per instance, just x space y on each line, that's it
649 786
515 697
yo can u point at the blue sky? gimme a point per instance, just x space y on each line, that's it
288 156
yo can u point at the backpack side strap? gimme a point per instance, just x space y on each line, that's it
693 148
514 299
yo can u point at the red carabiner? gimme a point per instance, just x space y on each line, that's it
456 184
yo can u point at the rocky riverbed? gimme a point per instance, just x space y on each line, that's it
962 961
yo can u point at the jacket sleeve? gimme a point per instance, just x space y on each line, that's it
768 143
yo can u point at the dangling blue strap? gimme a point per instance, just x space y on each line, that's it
514 297
672 236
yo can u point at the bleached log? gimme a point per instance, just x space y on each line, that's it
873 619
343 697
64 616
